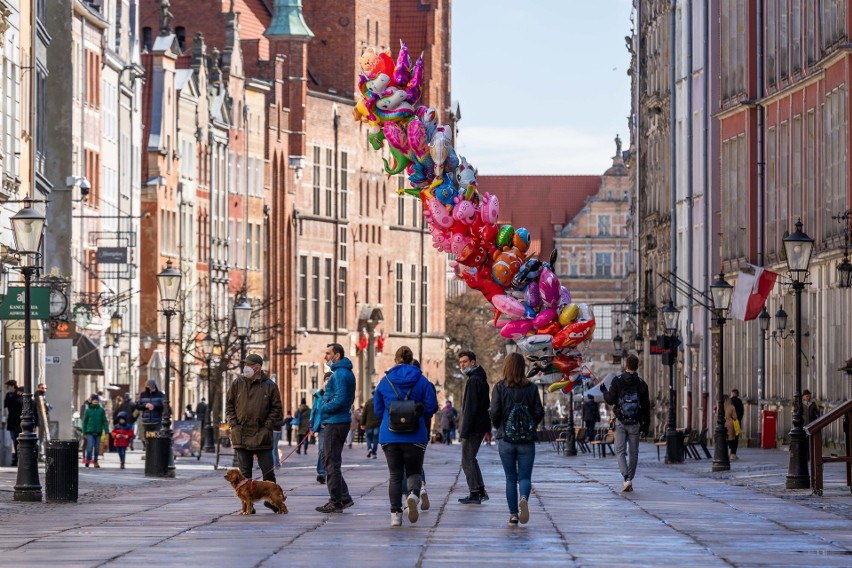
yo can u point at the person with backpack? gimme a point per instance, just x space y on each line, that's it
516 411
628 393
406 401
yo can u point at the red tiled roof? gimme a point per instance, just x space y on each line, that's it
539 202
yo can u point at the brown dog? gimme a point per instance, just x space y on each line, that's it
249 491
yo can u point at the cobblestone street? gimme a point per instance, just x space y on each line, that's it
678 516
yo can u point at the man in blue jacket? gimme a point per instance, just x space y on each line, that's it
336 418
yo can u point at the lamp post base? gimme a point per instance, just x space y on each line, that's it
798 476
209 439
27 485
570 442
721 460
674 446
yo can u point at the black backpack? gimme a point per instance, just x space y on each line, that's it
403 415
629 409
519 427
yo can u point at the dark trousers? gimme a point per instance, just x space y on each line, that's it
470 466
590 430
334 437
14 435
733 445
302 443
289 436
409 458
245 458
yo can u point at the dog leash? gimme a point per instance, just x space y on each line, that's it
281 463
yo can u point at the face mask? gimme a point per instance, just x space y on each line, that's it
248 372
468 371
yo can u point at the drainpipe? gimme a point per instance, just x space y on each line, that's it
761 345
336 213
705 116
690 276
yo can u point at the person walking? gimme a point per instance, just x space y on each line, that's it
95 425
739 410
591 415
475 423
122 435
810 410
516 411
731 427
288 428
13 402
335 420
129 408
150 404
252 407
201 413
370 422
447 422
628 393
303 422
404 443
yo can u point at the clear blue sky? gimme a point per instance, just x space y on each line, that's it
542 84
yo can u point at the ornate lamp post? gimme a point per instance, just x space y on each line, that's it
208 345
168 281
242 317
844 268
721 292
798 247
28 226
674 439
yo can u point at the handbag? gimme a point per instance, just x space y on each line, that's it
402 412
736 427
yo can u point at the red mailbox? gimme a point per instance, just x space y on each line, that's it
768 427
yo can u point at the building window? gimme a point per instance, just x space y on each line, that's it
316 181
249 245
303 291
344 185
783 178
315 292
603 265
398 299
412 301
424 300
367 280
379 281
327 296
341 298
604 225
771 214
329 203
344 235
303 377
400 211
603 321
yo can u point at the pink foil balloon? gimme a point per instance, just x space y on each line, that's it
544 317
509 306
516 329
548 284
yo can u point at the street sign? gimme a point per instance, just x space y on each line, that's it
13 307
52 360
112 255
15 331
62 329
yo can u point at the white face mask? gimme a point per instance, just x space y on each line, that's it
248 372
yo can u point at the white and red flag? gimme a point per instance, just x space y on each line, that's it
750 293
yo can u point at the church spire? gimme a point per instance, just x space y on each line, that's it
288 21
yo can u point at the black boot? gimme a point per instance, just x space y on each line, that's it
473 499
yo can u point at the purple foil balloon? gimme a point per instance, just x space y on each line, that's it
533 295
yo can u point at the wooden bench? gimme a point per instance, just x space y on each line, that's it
814 430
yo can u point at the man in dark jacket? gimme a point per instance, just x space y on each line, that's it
252 408
150 404
591 415
475 423
14 404
335 419
628 393
370 424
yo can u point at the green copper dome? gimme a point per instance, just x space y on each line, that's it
287 21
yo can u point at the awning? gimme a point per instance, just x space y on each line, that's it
88 357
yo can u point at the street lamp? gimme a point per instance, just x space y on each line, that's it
674 439
208 345
28 225
798 247
242 317
844 269
721 292
115 324
157 464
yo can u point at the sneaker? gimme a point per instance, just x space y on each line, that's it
513 520
628 486
411 505
97 465
483 495
369 453
396 519
321 479
121 466
347 504
374 456
329 507
733 457
424 499
524 507
473 498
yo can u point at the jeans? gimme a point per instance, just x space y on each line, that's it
627 448
320 468
405 479
93 446
121 453
470 447
372 436
276 437
518 460
445 436
245 459
334 436
403 458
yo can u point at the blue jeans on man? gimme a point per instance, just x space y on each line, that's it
372 436
518 460
276 437
93 446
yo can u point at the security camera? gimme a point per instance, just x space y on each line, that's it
84 188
